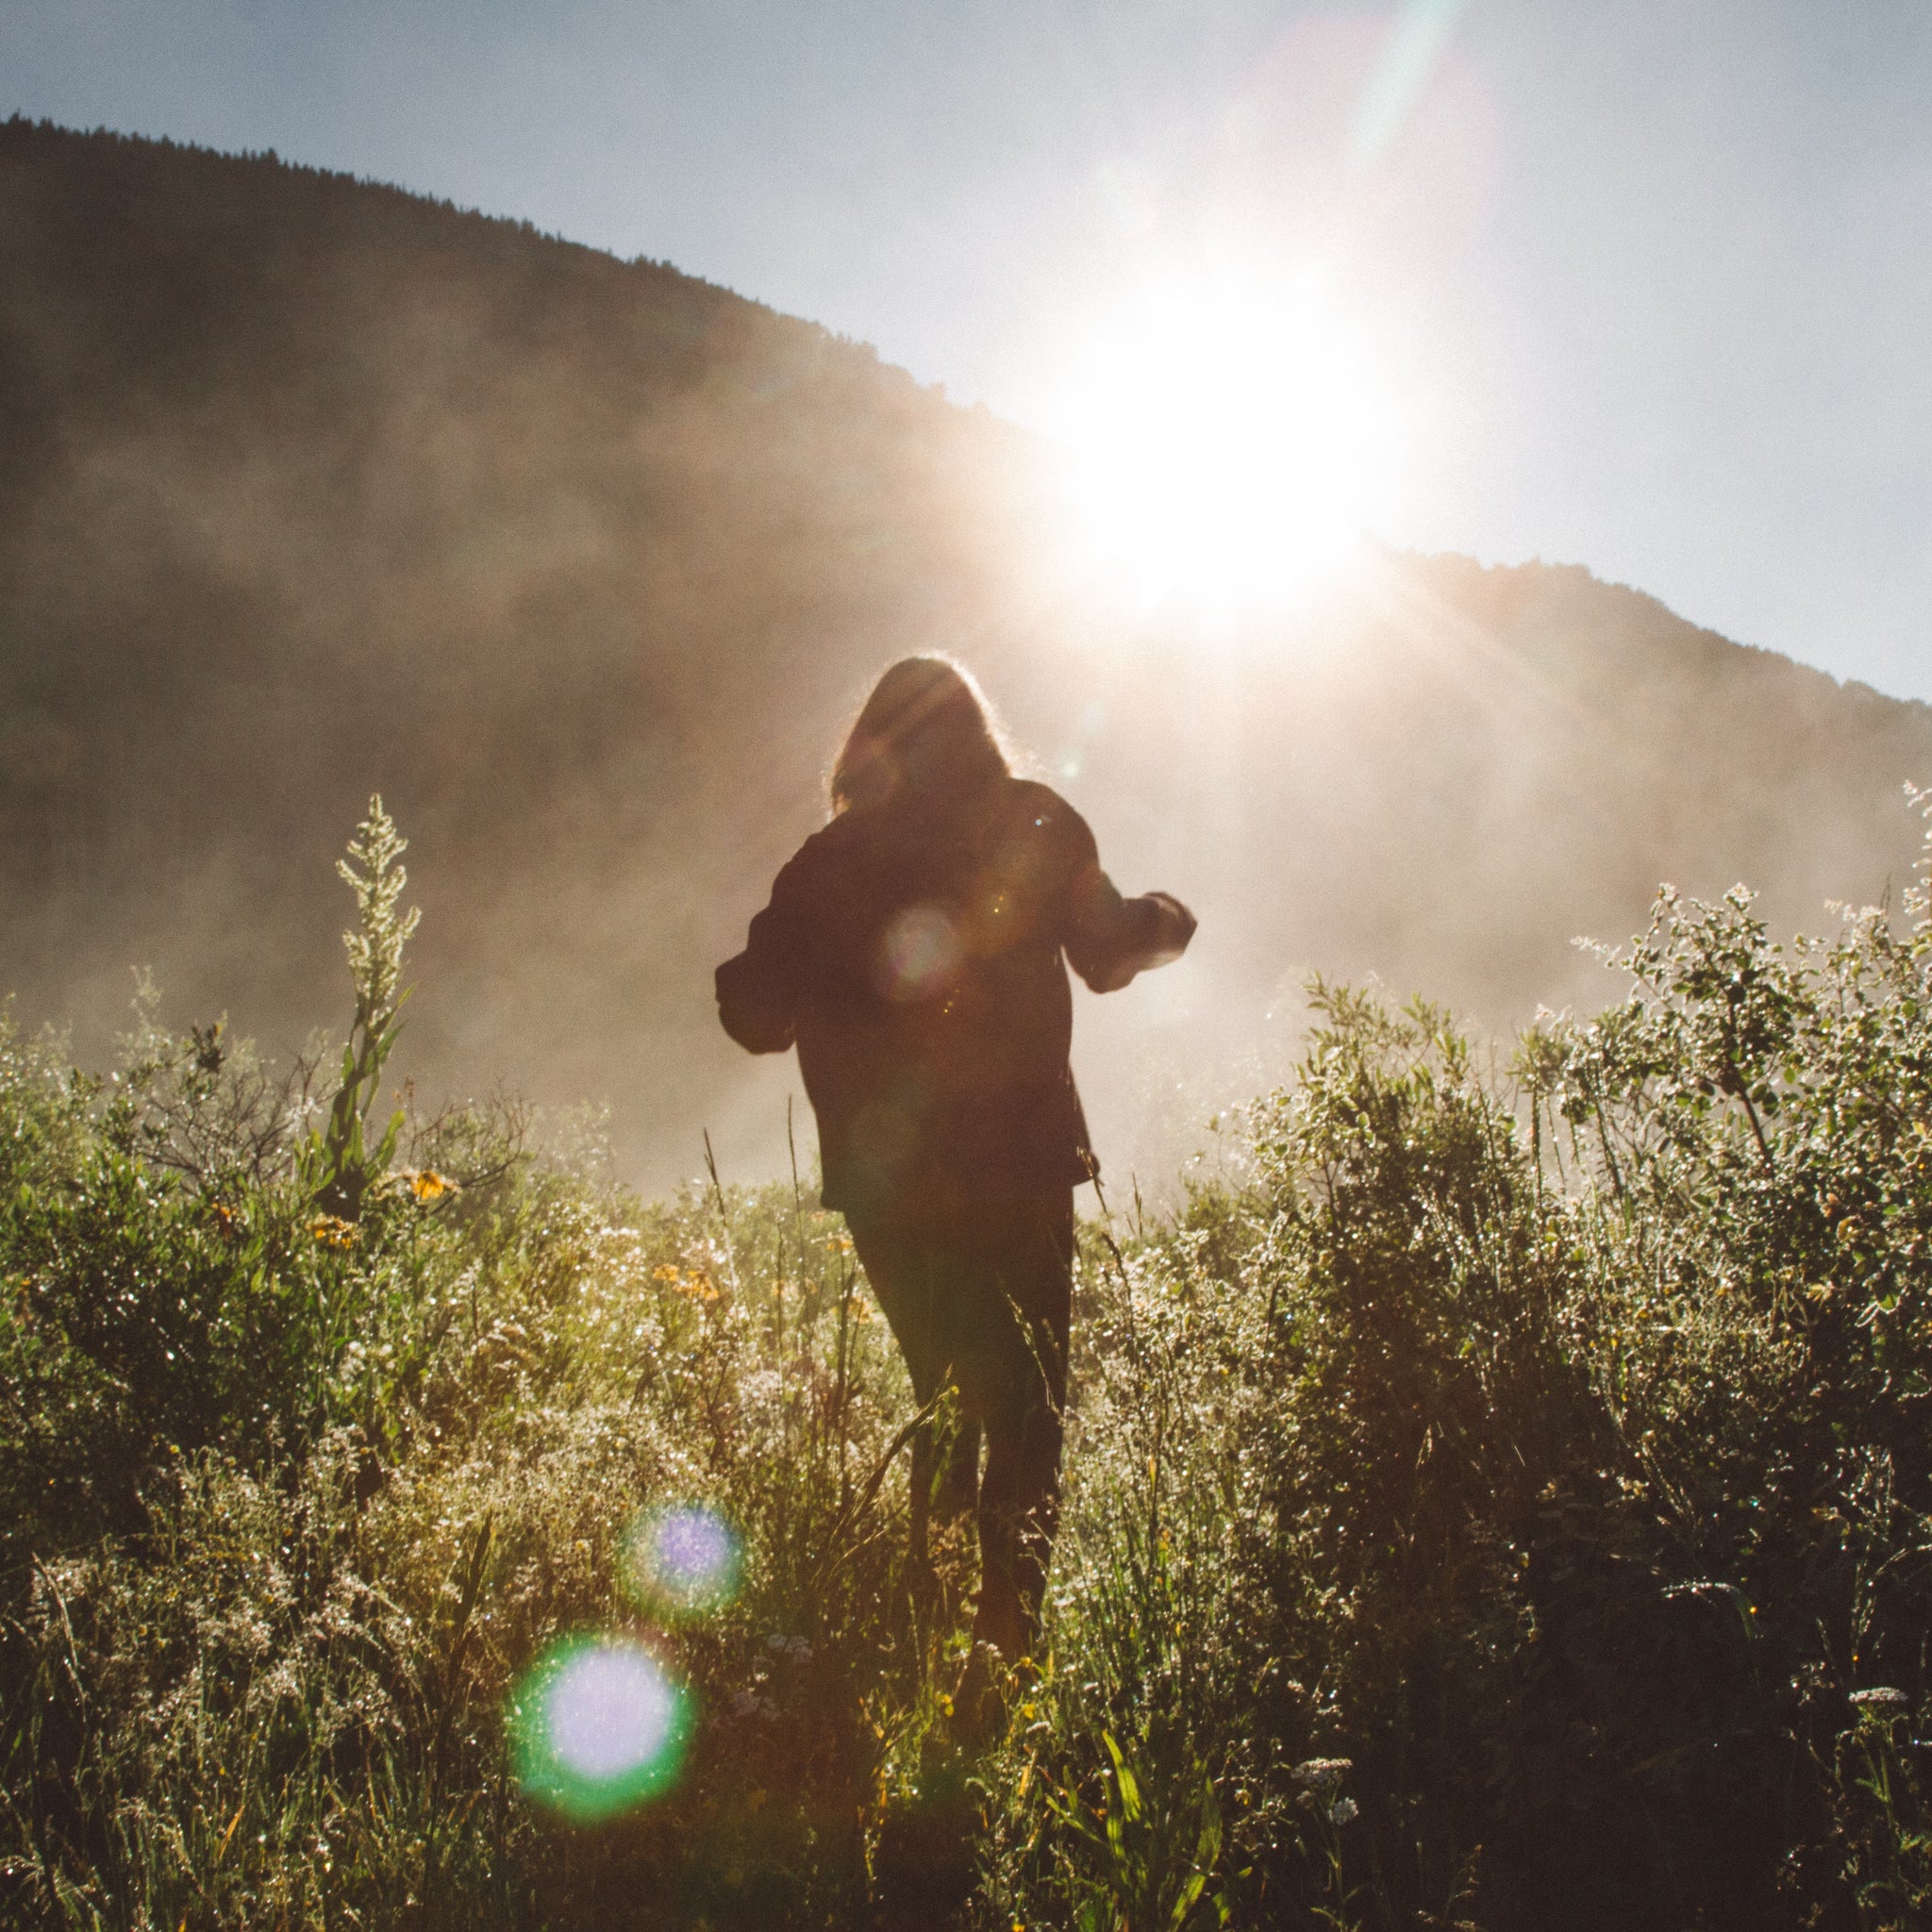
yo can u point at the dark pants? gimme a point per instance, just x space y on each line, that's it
983 1301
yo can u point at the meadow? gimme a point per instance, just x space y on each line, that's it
1502 1499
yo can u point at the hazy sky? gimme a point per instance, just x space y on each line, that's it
1651 281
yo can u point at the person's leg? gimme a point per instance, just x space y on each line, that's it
1030 1273
907 1266
955 1479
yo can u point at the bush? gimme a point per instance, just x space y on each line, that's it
1508 1507
310 1444
1512 1508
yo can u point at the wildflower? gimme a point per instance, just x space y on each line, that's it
1343 1811
1318 1773
697 1285
428 1185
1881 1697
332 1231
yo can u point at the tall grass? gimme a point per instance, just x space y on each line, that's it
1509 1505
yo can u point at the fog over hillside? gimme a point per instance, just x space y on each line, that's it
310 489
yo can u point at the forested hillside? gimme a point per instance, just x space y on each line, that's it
310 489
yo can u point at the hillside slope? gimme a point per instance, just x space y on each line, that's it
308 488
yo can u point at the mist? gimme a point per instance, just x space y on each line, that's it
309 490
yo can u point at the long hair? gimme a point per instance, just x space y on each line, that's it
927 731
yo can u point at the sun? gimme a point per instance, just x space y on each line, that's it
1227 441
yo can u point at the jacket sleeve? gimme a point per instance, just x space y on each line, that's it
757 990
1109 939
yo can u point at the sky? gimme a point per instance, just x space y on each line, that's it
1638 284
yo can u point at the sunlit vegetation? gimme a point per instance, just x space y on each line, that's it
1506 1504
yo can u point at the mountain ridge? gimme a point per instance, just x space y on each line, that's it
312 488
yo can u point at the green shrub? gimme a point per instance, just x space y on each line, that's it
1510 1506
310 1442
1493 1514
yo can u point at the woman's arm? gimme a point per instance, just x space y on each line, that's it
756 991
1109 939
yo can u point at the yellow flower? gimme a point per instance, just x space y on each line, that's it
430 1186
332 1231
697 1285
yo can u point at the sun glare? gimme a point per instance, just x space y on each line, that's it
1227 442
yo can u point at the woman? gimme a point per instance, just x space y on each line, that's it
913 952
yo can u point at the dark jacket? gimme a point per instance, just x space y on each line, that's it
912 951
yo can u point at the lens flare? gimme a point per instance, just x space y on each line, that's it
919 954
598 1724
682 1561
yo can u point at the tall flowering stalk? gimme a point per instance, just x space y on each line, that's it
340 1163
